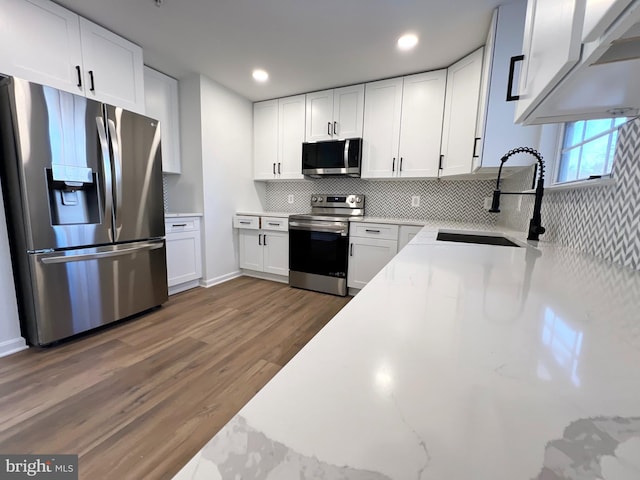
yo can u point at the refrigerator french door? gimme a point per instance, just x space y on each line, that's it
82 183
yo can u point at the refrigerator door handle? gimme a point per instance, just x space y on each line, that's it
115 148
106 167
100 255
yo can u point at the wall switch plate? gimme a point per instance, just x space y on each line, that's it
290 199
415 201
487 203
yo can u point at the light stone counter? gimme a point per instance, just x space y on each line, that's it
175 215
266 214
456 362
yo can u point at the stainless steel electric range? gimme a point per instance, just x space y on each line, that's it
319 243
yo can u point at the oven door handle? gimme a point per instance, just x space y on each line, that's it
319 227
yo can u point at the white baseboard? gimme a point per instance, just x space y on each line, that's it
221 279
12 346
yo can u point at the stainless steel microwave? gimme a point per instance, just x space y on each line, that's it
332 158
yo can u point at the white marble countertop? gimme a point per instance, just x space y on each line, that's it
265 214
456 362
174 215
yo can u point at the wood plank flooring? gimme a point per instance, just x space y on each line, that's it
139 399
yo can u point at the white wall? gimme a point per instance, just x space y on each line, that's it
10 339
227 171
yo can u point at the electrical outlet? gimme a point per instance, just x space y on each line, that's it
487 203
415 201
290 199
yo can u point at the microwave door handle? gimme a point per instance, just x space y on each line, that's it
346 155
106 171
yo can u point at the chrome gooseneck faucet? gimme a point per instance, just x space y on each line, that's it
535 224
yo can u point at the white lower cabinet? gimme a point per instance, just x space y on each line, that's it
407 232
371 247
263 244
184 254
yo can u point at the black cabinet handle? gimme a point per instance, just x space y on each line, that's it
440 162
328 128
79 73
264 240
274 224
393 165
278 168
351 250
372 231
512 66
274 168
260 239
181 224
335 128
400 163
475 146
243 222
93 86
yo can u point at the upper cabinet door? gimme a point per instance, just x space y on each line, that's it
40 42
421 125
348 112
551 47
319 116
381 132
265 140
496 133
161 103
291 117
114 71
460 114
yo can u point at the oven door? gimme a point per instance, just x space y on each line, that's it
318 255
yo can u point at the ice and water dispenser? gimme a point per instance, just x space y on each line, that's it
73 195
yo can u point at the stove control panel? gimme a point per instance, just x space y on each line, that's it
338 201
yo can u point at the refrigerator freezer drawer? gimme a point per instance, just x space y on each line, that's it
77 290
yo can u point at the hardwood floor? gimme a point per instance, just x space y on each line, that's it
138 400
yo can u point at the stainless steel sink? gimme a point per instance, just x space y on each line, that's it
476 238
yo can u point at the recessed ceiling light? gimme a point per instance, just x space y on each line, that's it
260 75
407 41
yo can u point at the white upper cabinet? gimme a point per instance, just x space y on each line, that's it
334 114
319 116
496 133
40 42
45 43
551 47
421 124
291 118
161 103
114 71
580 61
460 115
403 126
348 112
381 133
265 140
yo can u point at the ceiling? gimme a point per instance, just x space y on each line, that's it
305 45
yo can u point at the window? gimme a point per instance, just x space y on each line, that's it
588 148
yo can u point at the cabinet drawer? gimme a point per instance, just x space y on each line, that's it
374 230
275 223
181 224
246 221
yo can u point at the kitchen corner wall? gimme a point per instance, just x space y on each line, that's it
452 200
603 221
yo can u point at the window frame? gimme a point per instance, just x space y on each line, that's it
557 156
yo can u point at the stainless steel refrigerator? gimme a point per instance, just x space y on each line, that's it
82 185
